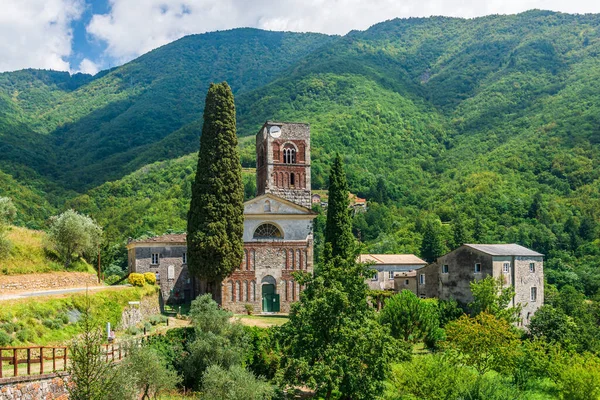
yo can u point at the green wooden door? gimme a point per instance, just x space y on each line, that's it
270 299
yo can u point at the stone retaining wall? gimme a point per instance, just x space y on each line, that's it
40 387
134 314
52 280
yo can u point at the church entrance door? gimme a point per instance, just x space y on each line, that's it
269 298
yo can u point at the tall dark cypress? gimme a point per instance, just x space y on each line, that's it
216 216
339 240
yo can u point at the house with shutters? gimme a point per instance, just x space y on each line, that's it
278 233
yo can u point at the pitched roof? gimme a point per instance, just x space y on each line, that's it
170 238
394 259
511 249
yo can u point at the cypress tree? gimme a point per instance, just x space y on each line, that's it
432 245
339 240
216 216
460 235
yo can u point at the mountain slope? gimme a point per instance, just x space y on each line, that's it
94 126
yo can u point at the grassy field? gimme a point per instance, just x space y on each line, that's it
27 255
53 320
262 321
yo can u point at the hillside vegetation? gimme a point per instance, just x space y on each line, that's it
493 122
28 255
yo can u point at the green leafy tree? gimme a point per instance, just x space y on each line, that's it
483 342
235 383
215 218
74 235
338 228
7 215
490 296
148 372
409 317
554 326
460 235
217 340
332 342
432 245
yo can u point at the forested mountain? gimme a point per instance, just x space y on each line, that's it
490 123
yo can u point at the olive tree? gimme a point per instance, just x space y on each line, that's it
73 235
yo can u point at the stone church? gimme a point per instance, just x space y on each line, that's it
278 235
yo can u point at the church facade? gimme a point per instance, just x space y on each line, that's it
278 232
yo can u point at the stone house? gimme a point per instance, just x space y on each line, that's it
166 257
450 275
405 281
387 266
278 235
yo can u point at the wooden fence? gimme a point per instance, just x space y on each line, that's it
37 360
27 361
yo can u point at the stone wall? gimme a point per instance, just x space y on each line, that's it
54 280
134 314
40 387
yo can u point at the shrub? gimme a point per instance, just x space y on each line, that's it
150 278
52 323
136 279
132 330
430 377
24 335
111 280
5 338
234 383
9 327
157 319
249 308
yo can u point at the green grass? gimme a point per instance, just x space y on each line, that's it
53 320
27 255
263 320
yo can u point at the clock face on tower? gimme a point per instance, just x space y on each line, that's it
275 131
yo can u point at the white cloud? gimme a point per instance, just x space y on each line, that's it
133 27
36 33
87 66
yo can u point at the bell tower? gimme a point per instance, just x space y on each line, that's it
283 161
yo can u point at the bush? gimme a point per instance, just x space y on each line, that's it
52 323
249 308
9 327
157 319
24 335
5 338
430 377
136 279
236 383
150 278
111 280
132 330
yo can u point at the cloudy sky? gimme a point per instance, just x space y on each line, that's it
90 35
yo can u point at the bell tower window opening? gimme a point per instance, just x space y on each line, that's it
267 231
289 155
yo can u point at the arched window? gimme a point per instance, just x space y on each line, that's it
232 292
292 179
289 154
267 231
238 289
246 291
